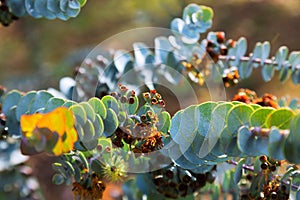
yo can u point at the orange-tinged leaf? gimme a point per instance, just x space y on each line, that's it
28 123
54 121
59 123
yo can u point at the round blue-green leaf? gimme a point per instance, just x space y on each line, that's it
132 108
259 116
63 5
110 102
187 128
74 4
266 47
251 144
110 123
53 103
267 72
207 13
79 111
285 73
175 126
99 126
41 8
189 10
280 118
239 171
281 56
68 103
72 12
164 122
17 7
257 53
24 104
82 2
238 116
53 6
80 131
31 10
276 144
58 179
11 99
12 123
291 146
40 100
88 110
89 132
98 106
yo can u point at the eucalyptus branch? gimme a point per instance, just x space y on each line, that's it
251 168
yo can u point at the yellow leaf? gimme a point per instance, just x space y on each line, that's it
60 121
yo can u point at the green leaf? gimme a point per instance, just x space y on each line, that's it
53 103
83 159
82 2
251 144
12 123
285 73
110 122
281 56
98 106
267 72
207 13
99 127
257 53
276 144
291 146
58 179
239 171
88 110
40 100
132 108
258 117
238 115
24 104
294 59
106 148
280 118
110 102
164 122
245 69
89 132
11 99
80 113
266 47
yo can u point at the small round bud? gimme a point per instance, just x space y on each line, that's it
263 158
123 99
273 168
220 37
264 166
131 100
162 103
154 101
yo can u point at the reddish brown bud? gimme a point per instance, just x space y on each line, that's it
220 37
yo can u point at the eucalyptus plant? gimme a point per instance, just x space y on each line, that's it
247 148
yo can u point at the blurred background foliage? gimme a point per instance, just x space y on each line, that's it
36 53
33 53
